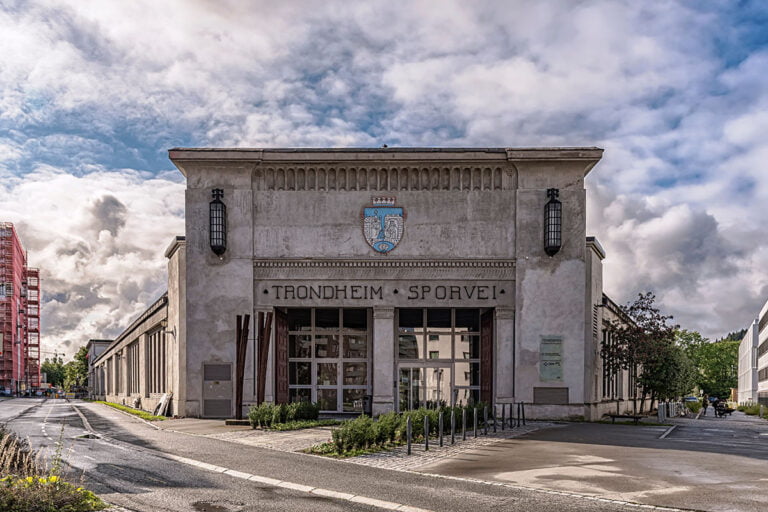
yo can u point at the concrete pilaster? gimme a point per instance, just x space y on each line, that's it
504 353
384 345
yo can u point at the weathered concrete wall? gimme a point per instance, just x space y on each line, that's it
153 319
593 324
474 218
177 325
551 291
221 287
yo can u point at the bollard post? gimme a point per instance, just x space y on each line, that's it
518 414
453 425
474 423
426 433
463 424
503 415
494 418
408 433
522 405
485 420
440 428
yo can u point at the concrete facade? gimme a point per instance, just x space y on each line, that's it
762 356
473 238
747 390
753 361
95 349
466 306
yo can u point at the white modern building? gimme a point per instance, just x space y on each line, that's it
390 278
748 379
753 361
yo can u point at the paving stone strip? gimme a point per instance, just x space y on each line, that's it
396 458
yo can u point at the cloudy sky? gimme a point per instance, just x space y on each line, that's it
93 93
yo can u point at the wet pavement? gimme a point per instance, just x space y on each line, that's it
718 464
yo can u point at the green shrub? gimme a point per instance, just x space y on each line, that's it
45 494
300 424
385 428
694 407
752 410
279 413
261 415
365 435
354 435
268 415
307 411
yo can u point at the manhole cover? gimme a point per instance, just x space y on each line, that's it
205 506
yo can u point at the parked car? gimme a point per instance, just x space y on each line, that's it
690 399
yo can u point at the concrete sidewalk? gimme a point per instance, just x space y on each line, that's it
299 440
716 464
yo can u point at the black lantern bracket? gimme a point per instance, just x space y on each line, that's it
553 223
217 228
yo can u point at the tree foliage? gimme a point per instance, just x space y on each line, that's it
76 370
716 362
54 371
647 344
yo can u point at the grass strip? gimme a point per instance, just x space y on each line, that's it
130 410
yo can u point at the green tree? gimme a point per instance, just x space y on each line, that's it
54 371
647 344
716 363
76 370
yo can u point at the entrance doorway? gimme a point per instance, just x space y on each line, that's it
444 356
427 386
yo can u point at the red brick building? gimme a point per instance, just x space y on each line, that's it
19 315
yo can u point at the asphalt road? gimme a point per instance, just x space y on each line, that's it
136 478
712 464
128 465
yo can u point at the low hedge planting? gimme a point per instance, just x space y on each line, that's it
268 415
301 424
364 434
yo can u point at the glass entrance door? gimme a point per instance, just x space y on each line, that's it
428 386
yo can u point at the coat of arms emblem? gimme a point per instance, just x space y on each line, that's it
383 224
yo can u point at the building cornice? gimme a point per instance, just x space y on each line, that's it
223 156
382 263
175 245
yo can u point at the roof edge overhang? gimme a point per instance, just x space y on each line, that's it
179 156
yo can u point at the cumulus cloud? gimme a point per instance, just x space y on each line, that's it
98 240
92 93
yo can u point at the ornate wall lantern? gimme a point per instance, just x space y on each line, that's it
553 223
218 223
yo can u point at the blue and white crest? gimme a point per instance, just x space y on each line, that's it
383 224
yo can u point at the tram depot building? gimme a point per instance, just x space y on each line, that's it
391 278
